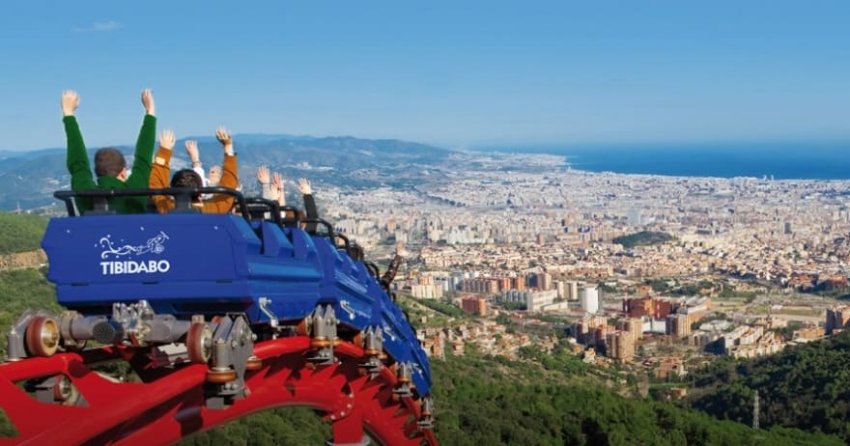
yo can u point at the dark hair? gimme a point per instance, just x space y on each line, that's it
109 162
187 178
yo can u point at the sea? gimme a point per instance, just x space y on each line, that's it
785 160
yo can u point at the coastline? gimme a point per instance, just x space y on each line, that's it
778 161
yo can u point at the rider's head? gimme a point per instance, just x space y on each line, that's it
187 178
110 162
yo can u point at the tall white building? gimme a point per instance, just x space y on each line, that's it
589 299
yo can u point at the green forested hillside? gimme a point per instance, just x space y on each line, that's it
292 425
482 401
19 233
806 386
643 238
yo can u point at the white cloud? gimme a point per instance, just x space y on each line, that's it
107 26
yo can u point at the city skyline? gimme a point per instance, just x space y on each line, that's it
492 73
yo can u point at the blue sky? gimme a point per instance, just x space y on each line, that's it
454 73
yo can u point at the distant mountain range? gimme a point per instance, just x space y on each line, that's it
28 179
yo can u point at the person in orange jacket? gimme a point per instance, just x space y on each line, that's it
217 203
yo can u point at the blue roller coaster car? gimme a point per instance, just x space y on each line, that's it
186 265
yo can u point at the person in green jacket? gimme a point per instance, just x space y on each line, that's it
109 163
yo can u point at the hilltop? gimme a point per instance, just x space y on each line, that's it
29 178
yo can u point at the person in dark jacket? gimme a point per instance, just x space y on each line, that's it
109 163
392 269
312 213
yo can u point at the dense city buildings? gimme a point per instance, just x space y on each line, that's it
531 236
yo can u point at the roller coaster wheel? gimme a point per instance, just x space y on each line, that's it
42 336
303 327
253 363
220 376
198 343
64 392
320 343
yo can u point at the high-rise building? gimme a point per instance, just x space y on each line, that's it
660 307
633 326
590 329
837 318
620 345
677 325
544 281
563 289
589 299
573 295
474 305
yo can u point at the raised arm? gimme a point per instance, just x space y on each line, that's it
195 157
264 178
144 144
77 159
229 177
394 265
309 203
277 184
161 171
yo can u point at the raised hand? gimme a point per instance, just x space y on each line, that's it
167 139
192 151
277 184
304 186
226 141
277 181
399 249
263 175
222 135
147 101
70 102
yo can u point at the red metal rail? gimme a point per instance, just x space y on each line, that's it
170 407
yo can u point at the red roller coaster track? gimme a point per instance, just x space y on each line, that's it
170 403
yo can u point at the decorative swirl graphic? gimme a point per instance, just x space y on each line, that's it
388 331
155 245
347 307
